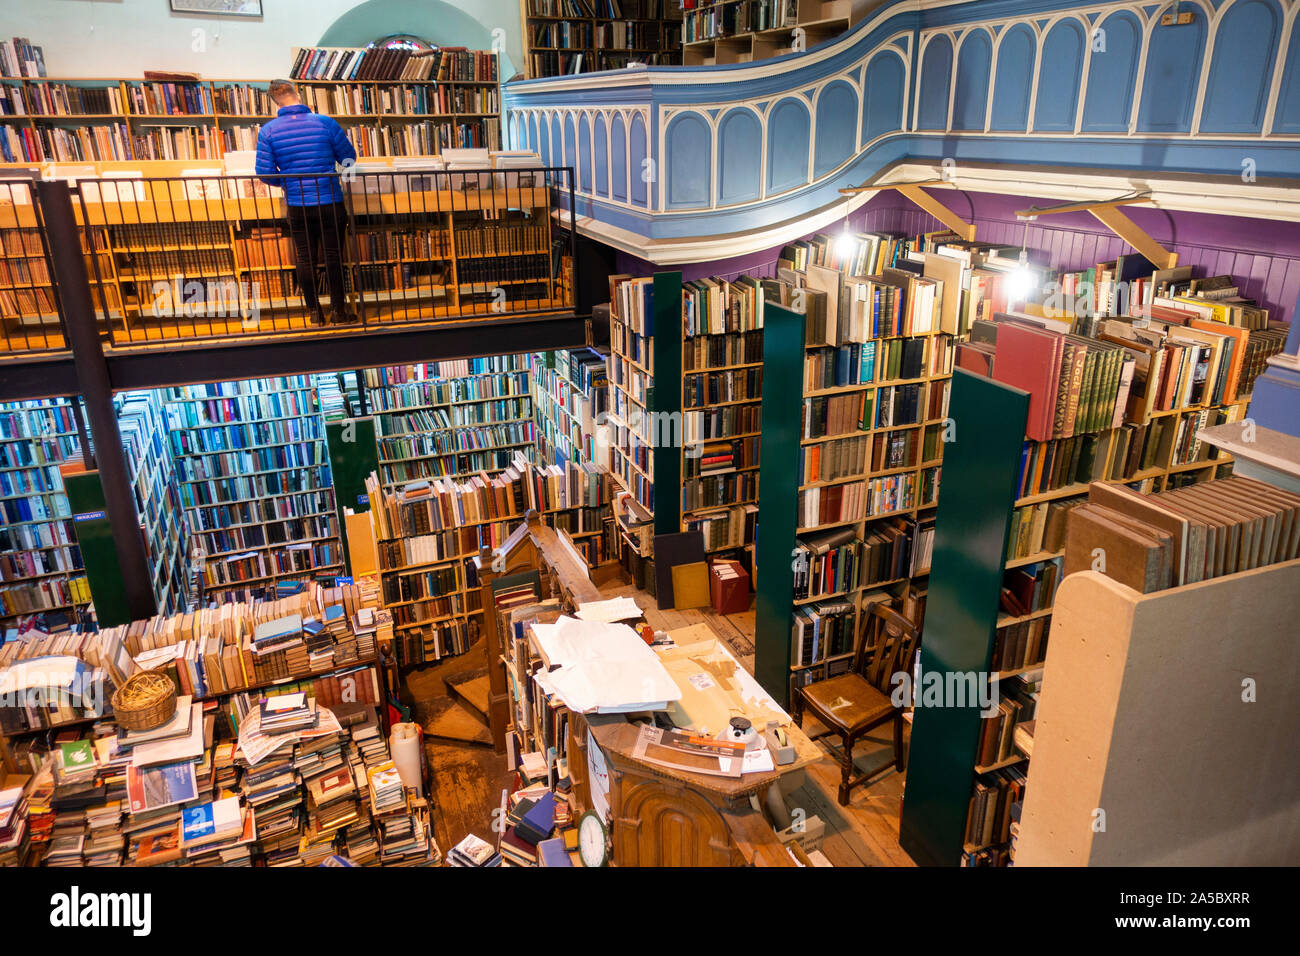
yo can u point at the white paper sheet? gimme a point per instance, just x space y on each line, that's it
611 611
603 668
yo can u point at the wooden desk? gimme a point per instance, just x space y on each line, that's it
662 816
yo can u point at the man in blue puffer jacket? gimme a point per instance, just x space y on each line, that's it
290 148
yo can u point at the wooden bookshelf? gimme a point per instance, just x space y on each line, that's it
564 37
428 544
41 568
722 392
744 31
71 119
452 253
247 508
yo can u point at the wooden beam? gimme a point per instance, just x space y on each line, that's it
937 209
1135 236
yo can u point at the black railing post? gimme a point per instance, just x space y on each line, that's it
69 267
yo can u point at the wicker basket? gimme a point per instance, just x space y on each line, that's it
147 700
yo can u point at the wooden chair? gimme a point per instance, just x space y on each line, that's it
854 703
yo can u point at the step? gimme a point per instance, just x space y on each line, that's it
445 719
471 690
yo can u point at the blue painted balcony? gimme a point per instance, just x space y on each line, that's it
1064 100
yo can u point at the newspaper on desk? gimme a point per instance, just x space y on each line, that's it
601 668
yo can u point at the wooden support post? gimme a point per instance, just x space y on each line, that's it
914 192
1135 236
941 212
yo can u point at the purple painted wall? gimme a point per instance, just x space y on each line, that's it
1263 254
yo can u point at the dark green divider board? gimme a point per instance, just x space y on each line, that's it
778 495
664 400
353 456
981 467
98 550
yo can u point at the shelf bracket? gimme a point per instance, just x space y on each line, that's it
920 197
1109 214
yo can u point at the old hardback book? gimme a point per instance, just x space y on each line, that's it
1131 552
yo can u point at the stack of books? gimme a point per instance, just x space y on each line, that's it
286 713
473 852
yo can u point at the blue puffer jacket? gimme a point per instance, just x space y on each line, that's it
299 142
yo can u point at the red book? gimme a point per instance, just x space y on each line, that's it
1030 359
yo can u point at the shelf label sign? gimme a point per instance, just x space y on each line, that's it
90 516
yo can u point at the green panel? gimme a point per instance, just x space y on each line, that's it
778 494
665 402
353 456
98 552
981 468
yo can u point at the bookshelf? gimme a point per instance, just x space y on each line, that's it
585 36
430 533
27 295
157 497
722 390
873 367
41 569
444 419
570 401
448 255
743 31
97 119
254 479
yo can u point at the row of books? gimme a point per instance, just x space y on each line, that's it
273 458
427 507
708 351
721 388
724 422
33 596
715 491
250 436
197 493
255 565
447 64
726 530
424 137
289 531
455 389
1183 535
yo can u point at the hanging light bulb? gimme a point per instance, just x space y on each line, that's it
1021 282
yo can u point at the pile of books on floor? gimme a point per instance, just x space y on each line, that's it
473 852
540 831
402 820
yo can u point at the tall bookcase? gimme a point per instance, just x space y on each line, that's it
861 470
41 567
84 119
442 419
722 391
570 401
254 478
585 36
157 498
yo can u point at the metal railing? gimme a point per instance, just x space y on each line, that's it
202 257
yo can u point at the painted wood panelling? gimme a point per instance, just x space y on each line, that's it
685 152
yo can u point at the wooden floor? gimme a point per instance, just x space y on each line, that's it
468 779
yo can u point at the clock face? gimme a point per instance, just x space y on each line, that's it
591 840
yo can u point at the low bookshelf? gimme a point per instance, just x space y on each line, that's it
585 36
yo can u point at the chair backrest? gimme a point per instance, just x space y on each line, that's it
886 644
